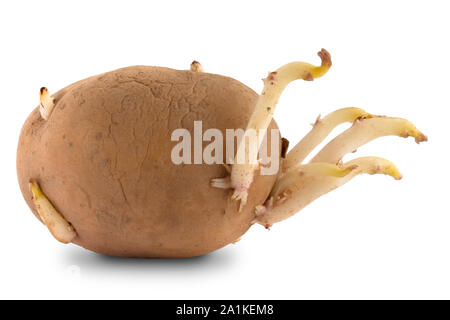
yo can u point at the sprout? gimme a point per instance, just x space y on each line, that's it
274 84
196 66
302 185
55 222
46 103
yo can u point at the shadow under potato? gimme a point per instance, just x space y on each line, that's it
89 262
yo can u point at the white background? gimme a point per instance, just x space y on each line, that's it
373 238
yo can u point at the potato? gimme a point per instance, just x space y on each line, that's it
95 160
103 158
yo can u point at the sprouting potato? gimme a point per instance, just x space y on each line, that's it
94 159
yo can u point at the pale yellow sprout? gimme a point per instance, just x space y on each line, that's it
242 174
300 187
196 66
55 222
317 169
46 103
363 131
321 129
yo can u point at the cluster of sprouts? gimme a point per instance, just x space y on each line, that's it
300 183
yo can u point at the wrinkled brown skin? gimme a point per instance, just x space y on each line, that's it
103 159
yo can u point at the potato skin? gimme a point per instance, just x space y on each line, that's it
103 159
